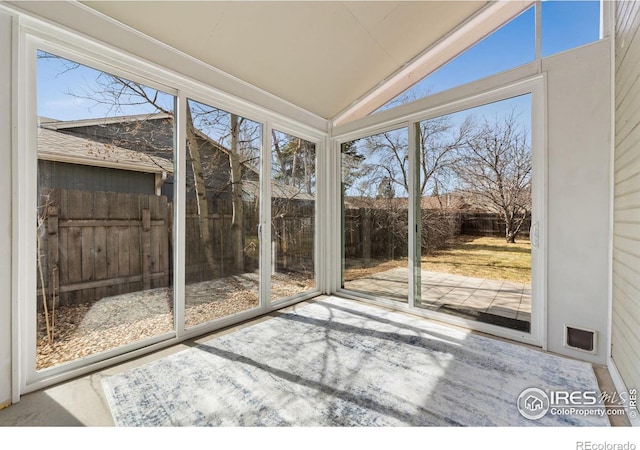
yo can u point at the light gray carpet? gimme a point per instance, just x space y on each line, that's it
337 362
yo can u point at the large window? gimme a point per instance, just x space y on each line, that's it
375 237
293 215
116 216
564 25
569 24
476 205
119 221
105 211
443 218
510 46
222 248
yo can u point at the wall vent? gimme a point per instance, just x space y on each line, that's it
580 339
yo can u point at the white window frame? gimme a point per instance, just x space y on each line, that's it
473 31
32 34
523 80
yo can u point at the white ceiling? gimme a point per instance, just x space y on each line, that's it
321 56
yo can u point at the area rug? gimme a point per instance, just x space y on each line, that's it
339 363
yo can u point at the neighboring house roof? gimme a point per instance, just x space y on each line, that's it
56 145
54 124
281 191
61 147
451 202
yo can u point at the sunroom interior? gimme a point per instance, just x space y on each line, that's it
200 169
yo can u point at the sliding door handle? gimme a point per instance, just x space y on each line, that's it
534 234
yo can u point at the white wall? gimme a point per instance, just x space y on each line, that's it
579 123
5 209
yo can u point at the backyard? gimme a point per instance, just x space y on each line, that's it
86 329
89 328
483 257
479 257
479 278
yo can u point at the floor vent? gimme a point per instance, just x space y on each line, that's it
580 339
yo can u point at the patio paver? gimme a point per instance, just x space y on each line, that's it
498 298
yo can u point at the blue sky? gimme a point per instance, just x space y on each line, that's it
565 24
57 82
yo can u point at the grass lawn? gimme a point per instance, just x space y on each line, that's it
483 257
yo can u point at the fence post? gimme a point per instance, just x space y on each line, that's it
146 249
53 256
365 226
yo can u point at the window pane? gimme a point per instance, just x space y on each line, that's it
375 174
569 24
222 213
293 194
475 183
510 46
105 211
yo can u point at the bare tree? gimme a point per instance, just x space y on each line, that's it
440 142
237 220
495 170
119 94
235 135
294 162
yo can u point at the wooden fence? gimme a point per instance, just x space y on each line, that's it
98 244
383 233
488 224
292 235
219 219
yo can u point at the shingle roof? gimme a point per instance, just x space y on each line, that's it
58 146
62 124
61 147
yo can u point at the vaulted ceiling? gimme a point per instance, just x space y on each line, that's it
321 56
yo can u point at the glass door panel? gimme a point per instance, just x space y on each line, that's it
105 211
293 213
222 248
476 209
375 238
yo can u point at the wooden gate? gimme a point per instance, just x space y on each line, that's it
98 244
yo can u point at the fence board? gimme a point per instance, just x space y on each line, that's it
88 256
101 273
113 259
95 246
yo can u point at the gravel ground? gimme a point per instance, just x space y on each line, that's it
84 330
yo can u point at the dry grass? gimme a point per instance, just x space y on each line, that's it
483 257
479 257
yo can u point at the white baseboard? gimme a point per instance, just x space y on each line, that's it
621 387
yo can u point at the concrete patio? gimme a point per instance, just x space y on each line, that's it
502 299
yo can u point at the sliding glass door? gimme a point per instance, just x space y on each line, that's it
223 200
475 189
293 215
375 214
105 171
445 215
141 239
